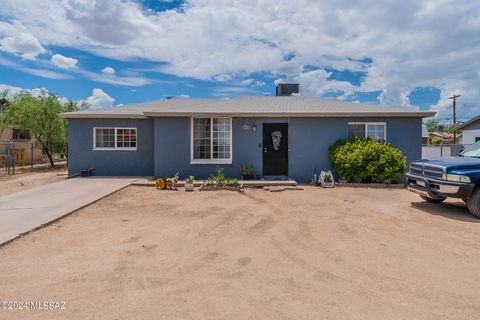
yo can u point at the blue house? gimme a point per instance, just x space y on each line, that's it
286 135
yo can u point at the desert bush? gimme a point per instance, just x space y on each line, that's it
218 179
438 140
361 160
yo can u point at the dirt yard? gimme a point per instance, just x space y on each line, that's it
24 181
313 254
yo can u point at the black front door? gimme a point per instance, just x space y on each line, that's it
275 149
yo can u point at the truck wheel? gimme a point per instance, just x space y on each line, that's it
474 203
432 200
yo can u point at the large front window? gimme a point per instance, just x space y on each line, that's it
211 140
115 138
374 130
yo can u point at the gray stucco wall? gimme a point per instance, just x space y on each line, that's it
113 162
309 140
164 145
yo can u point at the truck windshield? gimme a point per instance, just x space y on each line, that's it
473 151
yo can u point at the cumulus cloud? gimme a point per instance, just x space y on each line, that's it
108 70
408 44
12 90
99 99
16 39
64 62
248 82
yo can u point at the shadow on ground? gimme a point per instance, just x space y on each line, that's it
450 210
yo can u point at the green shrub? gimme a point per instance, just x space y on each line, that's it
218 179
438 140
362 160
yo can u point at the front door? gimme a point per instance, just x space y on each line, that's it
275 149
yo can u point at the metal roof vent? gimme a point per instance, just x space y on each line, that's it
288 89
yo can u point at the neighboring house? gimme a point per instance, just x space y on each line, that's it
23 143
425 135
470 130
444 137
285 136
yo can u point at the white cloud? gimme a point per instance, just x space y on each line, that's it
108 70
64 62
411 42
16 39
12 90
248 82
99 99
35 71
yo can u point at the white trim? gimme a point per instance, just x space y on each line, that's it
371 123
211 160
115 148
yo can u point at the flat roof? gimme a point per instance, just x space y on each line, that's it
292 106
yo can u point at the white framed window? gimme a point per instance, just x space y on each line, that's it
115 139
211 140
375 130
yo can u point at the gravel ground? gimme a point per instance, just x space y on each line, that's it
315 254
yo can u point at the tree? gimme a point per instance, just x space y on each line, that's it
449 128
39 115
431 124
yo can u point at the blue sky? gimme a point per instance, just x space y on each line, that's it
113 53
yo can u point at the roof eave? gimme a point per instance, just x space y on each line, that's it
469 122
68 115
293 114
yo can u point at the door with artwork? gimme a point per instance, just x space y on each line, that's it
275 149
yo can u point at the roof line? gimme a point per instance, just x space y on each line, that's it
69 115
147 115
463 125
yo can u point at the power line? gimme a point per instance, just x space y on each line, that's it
454 98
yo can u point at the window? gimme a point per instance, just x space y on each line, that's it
374 130
21 134
211 140
126 138
115 138
477 139
356 130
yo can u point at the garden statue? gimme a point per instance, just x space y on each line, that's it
172 182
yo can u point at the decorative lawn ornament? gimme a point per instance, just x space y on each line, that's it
326 179
167 183
160 184
172 182
189 183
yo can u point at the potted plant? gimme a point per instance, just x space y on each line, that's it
247 172
189 183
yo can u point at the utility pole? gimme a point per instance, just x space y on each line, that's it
454 98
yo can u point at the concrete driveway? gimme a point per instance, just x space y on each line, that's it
26 210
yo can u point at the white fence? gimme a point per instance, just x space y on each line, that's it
442 150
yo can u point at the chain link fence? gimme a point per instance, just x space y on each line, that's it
18 154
